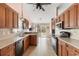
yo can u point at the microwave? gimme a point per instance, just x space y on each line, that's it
60 25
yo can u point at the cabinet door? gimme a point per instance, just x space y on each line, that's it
33 40
67 19
73 15
9 18
77 16
8 51
26 43
62 50
2 17
15 20
70 50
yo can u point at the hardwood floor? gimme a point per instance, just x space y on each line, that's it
43 48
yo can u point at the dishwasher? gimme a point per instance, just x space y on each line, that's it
19 48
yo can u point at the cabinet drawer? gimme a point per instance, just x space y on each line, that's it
76 53
76 50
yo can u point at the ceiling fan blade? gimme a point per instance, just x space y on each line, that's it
43 9
45 3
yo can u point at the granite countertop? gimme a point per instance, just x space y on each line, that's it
10 39
73 42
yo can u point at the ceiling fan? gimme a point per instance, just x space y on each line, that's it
40 5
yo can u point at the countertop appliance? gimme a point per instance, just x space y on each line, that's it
19 48
65 34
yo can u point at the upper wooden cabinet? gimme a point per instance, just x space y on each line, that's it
77 22
8 17
66 19
15 20
70 17
2 17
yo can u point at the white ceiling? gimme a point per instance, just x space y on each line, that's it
39 16
35 15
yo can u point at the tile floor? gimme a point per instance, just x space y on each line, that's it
43 48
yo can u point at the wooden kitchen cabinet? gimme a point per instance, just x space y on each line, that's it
8 50
9 18
62 51
70 50
65 49
15 20
66 19
77 21
72 11
70 17
26 43
33 40
2 16
30 40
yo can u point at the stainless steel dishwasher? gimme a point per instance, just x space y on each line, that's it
19 48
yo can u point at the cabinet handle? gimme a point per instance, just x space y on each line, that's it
76 51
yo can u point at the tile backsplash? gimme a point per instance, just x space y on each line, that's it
7 33
4 32
75 34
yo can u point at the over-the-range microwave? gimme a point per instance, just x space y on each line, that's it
60 25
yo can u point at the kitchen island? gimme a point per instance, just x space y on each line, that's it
8 44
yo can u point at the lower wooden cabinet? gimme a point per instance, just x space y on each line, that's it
65 49
62 51
26 43
8 51
33 40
